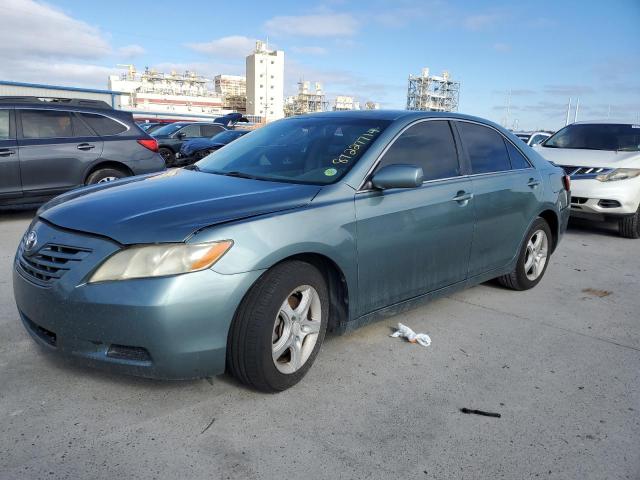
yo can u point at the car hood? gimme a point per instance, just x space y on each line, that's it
590 158
170 206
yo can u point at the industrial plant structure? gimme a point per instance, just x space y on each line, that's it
433 93
308 100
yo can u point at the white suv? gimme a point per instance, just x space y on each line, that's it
603 161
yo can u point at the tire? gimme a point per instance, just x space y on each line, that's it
168 156
104 175
629 226
201 154
256 346
524 277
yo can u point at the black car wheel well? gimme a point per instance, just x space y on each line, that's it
551 218
109 164
336 283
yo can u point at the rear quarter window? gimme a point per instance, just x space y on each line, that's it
103 126
518 160
485 147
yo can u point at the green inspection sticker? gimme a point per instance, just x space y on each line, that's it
330 172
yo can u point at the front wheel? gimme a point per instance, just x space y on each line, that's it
532 260
629 226
279 327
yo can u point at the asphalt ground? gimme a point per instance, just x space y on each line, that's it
560 363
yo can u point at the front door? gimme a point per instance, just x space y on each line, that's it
10 184
56 148
507 192
413 241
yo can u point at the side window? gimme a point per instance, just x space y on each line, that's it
191 131
518 160
4 125
46 124
485 147
211 130
102 125
428 145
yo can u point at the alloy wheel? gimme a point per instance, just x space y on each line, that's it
536 255
296 329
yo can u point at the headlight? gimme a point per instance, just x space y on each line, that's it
619 174
160 260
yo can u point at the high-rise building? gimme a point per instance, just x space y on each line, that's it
265 83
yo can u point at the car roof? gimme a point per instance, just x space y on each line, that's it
392 115
606 121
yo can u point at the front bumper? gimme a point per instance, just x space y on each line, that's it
590 197
170 327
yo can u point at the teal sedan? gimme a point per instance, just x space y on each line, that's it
325 222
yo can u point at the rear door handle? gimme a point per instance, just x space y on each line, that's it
533 183
463 197
85 146
6 152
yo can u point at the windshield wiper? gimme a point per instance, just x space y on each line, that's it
238 174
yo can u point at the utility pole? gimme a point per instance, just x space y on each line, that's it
568 111
575 116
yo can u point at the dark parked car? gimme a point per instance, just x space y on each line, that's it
171 136
49 146
325 221
198 148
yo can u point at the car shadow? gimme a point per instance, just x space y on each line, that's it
581 225
17 214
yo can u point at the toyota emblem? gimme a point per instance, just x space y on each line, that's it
30 240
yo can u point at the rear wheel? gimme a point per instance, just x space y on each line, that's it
629 227
105 175
279 327
532 260
168 156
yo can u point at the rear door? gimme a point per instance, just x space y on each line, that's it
56 147
507 193
415 240
209 131
10 184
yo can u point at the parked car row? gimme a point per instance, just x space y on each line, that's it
49 146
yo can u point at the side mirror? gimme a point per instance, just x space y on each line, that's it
398 176
181 135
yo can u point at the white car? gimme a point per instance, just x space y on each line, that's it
532 138
603 162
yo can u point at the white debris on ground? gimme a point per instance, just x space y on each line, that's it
413 337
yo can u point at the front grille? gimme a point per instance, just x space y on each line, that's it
50 262
585 172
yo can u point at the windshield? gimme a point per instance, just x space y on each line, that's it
313 150
226 136
169 129
607 136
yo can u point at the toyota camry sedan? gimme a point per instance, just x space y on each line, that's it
243 261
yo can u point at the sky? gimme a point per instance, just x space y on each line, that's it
542 52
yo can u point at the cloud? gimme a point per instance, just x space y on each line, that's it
56 73
515 92
567 90
481 21
317 25
309 50
131 51
233 46
502 47
32 29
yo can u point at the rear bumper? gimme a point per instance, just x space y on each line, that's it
170 327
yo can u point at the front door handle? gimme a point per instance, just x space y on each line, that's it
533 183
85 146
6 152
463 197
